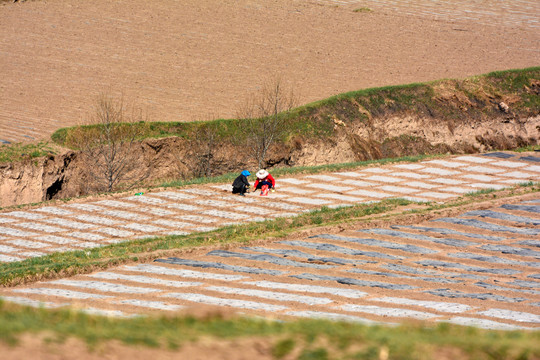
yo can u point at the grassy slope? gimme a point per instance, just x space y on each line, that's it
303 339
477 96
21 152
445 100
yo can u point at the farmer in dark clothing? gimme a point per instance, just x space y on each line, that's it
241 184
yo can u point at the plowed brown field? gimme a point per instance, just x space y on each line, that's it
196 59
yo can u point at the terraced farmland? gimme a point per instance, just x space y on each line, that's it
477 268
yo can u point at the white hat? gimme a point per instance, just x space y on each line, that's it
261 174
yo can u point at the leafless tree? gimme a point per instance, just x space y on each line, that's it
265 117
200 158
107 143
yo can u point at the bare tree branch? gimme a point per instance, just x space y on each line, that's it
107 143
265 115
200 158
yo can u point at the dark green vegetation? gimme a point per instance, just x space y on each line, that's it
363 10
481 192
20 152
450 101
303 339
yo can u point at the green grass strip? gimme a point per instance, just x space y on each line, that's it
343 340
19 152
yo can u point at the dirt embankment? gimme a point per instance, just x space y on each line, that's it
494 111
397 137
66 175
33 180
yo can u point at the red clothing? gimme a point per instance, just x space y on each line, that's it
269 178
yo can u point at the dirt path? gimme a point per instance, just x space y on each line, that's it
202 58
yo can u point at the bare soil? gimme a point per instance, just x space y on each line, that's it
240 349
201 59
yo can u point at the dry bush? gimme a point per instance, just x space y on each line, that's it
265 116
107 143
200 159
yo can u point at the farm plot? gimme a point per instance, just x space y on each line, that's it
477 268
202 59
84 225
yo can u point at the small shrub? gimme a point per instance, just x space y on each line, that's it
266 118
480 192
107 144
283 348
363 10
317 354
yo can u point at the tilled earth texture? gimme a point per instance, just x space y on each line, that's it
476 267
200 59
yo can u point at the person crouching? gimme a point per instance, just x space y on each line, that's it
241 184
264 178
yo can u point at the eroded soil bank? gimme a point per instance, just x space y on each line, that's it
157 160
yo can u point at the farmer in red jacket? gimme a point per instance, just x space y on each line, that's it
264 178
